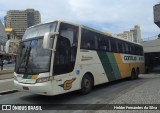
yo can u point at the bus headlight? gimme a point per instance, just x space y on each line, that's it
44 79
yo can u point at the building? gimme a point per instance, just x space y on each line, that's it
152 47
152 54
132 35
126 35
20 20
136 31
3 39
156 10
14 40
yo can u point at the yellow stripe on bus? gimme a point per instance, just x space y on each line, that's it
34 76
126 68
123 68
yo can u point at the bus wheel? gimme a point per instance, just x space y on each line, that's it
137 73
86 84
133 74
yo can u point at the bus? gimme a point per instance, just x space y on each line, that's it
59 57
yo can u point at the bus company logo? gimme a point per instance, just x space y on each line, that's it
68 84
130 58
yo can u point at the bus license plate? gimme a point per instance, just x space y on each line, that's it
25 88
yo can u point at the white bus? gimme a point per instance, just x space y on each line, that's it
60 57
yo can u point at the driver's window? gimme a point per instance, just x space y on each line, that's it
66 49
69 34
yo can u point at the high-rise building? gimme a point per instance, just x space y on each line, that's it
130 36
126 35
133 35
3 39
156 10
136 31
20 20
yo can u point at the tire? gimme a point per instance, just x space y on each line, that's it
137 73
133 74
86 84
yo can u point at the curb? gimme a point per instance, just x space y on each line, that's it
8 91
5 72
6 78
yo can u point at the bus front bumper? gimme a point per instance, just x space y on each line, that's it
44 88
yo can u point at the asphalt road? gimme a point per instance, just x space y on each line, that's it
145 90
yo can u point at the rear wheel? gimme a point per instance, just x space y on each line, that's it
137 73
86 84
133 74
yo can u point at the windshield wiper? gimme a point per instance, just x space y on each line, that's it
27 61
24 61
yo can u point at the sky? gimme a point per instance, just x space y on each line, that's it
114 16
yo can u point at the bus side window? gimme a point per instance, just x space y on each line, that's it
133 49
88 40
96 41
141 50
104 43
130 48
120 49
123 48
109 49
113 46
136 50
126 49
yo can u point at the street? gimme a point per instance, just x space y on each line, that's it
145 90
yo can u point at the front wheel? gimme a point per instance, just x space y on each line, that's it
86 84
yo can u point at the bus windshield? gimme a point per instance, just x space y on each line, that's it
32 58
39 30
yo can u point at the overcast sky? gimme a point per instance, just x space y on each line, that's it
114 16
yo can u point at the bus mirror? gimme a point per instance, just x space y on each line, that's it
7 46
46 40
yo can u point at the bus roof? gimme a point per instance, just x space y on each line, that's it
89 28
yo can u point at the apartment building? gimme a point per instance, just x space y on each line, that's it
20 20
133 35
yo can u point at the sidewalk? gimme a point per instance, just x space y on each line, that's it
6 84
6 76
